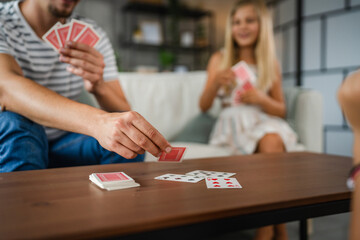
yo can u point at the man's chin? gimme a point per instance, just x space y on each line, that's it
60 14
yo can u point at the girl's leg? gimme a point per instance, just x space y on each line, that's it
271 143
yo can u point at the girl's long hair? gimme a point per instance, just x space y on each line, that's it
264 47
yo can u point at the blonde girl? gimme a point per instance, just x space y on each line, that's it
255 124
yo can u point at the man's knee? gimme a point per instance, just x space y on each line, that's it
348 96
23 143
271 143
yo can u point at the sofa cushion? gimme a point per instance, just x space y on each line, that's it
167 100
197 130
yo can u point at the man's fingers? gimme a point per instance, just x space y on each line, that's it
91 77
83 64
74 53
149 131
128 143
122 150
82 47
145 135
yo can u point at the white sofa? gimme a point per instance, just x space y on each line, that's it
169 101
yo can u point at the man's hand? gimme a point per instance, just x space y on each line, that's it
85 62
129 134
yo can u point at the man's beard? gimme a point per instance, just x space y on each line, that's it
59 14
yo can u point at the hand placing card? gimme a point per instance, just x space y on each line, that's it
113 180
76 31
176 155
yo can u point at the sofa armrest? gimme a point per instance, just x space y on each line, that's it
308 119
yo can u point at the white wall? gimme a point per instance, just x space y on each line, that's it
330 51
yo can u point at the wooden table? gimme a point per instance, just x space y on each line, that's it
63 203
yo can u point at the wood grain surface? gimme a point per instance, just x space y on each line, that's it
63 203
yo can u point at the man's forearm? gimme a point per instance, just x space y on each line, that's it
111 98
43 106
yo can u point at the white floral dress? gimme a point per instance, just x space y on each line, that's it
241 127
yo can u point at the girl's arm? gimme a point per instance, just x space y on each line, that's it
273 103
215 79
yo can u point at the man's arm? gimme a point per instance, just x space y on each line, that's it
112 98
349 99
126 133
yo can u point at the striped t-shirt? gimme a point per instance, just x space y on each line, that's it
40 63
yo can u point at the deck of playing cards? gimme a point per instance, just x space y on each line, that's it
176 155
113 180
245 79
77 31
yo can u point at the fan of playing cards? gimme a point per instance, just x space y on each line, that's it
76 30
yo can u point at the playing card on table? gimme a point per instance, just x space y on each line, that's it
176 155
243 73
52 38
212 182
179 178
202 173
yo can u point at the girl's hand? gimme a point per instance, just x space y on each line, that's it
225 78
253 96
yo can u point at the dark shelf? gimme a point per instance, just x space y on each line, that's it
145 46
164 10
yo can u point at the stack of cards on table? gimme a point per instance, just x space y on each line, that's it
245 79
176 155
113 180
77 31
213 179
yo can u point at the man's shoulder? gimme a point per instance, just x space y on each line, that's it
8 13
7 9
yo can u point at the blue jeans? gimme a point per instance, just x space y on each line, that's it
24 146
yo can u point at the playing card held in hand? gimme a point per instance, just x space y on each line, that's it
176 155
76 30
